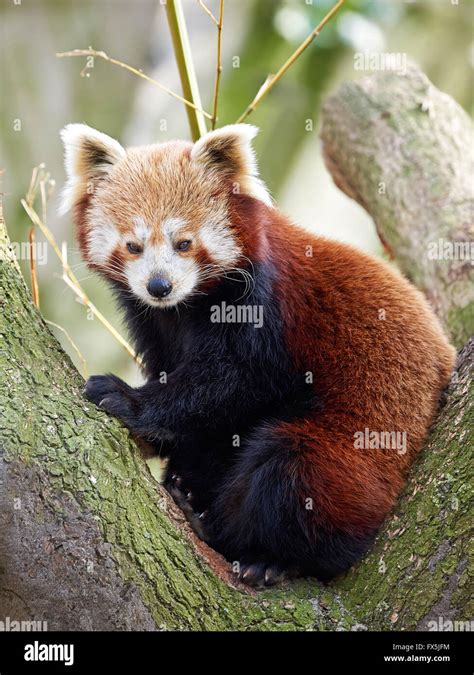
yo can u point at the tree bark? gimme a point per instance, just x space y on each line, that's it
403 150
89 540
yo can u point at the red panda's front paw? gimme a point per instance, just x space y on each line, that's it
114 396
262 574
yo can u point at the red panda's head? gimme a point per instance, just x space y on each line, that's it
158 219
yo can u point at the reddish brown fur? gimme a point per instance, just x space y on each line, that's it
137 186
80 221
371 373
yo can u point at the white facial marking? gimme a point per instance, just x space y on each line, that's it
183 273
220 243
173 225
103 237
142 230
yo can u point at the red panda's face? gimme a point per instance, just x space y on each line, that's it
156 218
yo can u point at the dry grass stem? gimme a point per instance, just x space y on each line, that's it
85 370
208 12
273 79
136 71
33 274
218 64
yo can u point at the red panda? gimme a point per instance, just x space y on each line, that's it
302 375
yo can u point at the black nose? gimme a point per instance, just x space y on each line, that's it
159 287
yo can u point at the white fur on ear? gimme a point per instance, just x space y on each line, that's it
229 150
88 154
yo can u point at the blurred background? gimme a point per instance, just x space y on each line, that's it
41 93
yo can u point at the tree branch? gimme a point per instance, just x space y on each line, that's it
399 146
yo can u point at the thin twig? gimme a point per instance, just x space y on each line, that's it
131 69
85 372
30 197
208 12
219 63
273 79
31 194
33 275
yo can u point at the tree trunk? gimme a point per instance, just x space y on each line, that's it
89 540
403 150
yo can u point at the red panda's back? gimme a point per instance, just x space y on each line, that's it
377 353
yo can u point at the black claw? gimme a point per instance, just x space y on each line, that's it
189 496
273 574
261 574
202 515
254 574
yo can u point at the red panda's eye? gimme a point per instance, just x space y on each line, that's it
134 248
183 245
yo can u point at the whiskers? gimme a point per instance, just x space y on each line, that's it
110 268
238 274
146 310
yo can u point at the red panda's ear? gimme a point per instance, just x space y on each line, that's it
228 151
88 155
